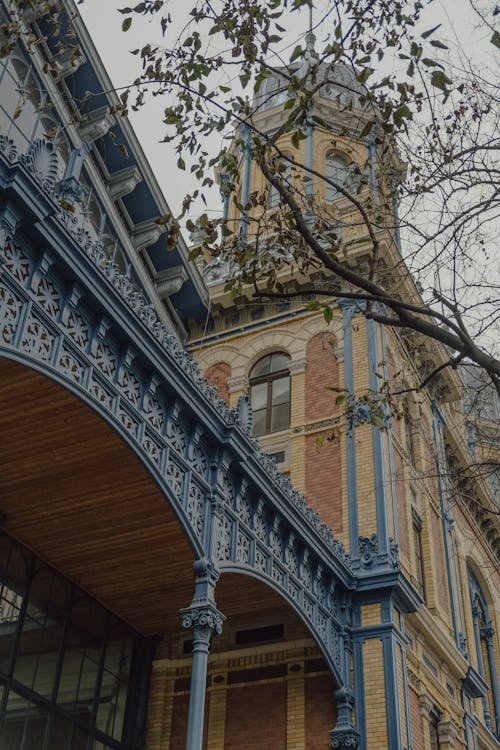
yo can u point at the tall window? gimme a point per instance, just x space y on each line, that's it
284 171
67 666
434 718
419 557
270 393
485 653
337 170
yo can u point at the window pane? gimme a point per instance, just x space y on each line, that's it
259 422
262 367
280 417
279 361
24 726
258 396
281 391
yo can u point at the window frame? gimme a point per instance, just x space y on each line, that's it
270 378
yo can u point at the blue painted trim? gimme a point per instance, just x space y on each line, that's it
348 311
372 157
245 185
439 449
391 694
397 229
359 691
390 446
407 697
378 453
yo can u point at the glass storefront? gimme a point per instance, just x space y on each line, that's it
72 676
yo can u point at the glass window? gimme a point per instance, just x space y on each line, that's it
337 170
419 557
21 102
270 393
284 170
65 662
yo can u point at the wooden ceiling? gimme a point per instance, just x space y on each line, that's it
75 493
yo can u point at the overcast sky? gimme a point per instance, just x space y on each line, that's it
104 24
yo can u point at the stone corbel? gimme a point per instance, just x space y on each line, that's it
170 281
46 261
96 124
447 732
426 706
67 62
146 234
297 366
123 182
235 385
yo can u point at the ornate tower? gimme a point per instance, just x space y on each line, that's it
377 478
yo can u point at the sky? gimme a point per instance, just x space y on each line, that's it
114 46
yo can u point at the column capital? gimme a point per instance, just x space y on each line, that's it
344 739
237 384
297 366
487 633
204 620
447 732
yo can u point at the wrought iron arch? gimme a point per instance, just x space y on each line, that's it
181 502
333 647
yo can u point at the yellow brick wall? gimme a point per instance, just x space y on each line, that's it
374 689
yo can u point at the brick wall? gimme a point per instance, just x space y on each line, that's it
416 721
323 479
319 712
322 372
256 717
219 375
322 462
439 566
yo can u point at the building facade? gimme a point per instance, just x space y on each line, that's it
163 584
393 487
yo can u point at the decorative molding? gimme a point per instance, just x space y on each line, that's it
96 124
123 182
204 620
146 234
8 149
237 384
67 62
414 680
297 366
368 549
170 281
245 414
344 739
448 732
42 161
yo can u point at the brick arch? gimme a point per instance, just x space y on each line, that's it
323 456
218 374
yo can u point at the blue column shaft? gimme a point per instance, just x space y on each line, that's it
494 683
196 714
440 469
377 444
352 499
245 182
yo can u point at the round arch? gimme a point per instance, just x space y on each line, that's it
79 492
330 647
125 435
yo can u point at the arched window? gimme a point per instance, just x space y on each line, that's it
270 393
485 652
337 170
